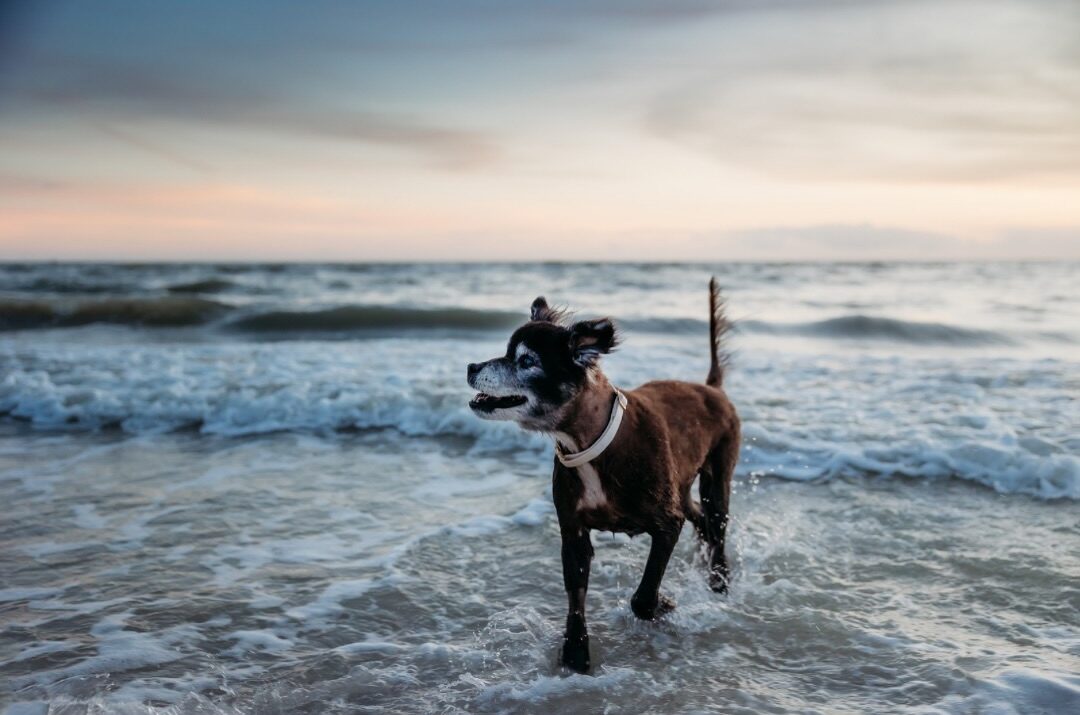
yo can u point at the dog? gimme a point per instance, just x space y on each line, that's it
625 460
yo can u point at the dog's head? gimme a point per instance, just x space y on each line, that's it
547 364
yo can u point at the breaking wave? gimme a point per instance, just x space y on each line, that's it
233 390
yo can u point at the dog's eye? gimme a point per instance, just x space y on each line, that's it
526 361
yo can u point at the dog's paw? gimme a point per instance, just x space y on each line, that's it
575 654
648 610
664 605
718 581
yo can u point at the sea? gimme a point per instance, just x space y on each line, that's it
254 488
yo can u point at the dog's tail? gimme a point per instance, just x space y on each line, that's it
718 328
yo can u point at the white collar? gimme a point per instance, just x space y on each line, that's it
578 458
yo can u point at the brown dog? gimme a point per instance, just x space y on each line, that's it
640 450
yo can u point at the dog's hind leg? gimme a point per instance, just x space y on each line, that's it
647 603
715 489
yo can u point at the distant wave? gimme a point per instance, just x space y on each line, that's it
74 286
857 326
669 326
149 312
179 311
184 310
210 285
870 327
376 317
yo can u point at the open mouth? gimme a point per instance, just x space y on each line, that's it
489 403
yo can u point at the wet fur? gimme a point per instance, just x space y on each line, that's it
671 433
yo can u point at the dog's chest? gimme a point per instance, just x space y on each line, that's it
592 490
592 495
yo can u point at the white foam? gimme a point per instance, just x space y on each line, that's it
370 647
547 687
263 640
86 517
118 649
49 548
535 513
448 486
483 525
329 602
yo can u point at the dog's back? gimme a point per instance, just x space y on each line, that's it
696 418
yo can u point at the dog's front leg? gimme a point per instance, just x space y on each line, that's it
577 553
647 603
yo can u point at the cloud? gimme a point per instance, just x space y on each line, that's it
892 90
445 147
28 184
888 91
154 148
852 242
107 93
1057 243
841 240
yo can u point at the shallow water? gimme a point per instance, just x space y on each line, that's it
206 519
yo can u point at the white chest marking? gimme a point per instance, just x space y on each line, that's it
592 496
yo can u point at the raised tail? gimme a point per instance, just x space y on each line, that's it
718 328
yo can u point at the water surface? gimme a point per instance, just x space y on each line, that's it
258 489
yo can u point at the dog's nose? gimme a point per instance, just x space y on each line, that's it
473 369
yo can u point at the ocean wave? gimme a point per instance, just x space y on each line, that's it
72 286
382 317
1007 470
241 396
235 391
869 327
845 327
376 317
186 309
209 285
179 311
148 312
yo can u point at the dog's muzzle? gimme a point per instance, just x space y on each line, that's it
486 402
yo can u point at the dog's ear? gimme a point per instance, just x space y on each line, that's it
543 312
589 339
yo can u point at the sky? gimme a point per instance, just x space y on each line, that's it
560 130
